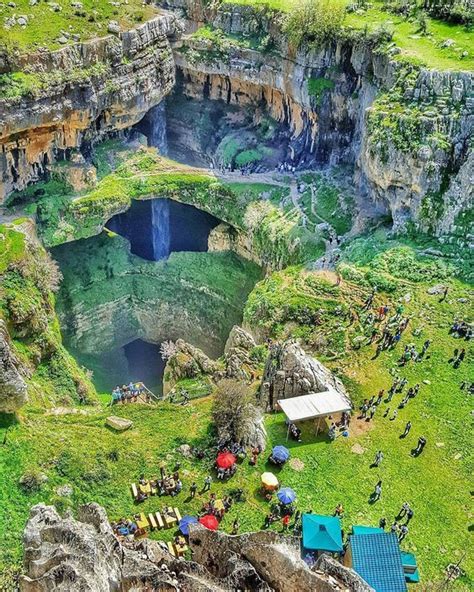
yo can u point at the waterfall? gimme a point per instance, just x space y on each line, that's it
156 119
160 223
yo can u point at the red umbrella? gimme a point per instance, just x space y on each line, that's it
209 521
225 460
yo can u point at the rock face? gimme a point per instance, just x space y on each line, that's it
187 362
13 389
83 555
237 354
264 561
404 128
290 372
119 81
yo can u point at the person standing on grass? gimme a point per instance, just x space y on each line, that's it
394 527
420 446
192 490
410 514
403 511
286 522
407 430
235 526
403 532
373 409
460 358
382 523
380 397
378 458
377 491
207 483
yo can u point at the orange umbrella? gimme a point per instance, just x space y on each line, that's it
209 521
225 460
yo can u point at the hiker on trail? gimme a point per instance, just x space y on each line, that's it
403 532
377 491
192 490
407 429
207 483
382 523
378 458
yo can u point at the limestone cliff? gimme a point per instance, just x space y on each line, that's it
90 89
403 127
68 555
13 389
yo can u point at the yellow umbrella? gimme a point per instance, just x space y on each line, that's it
269 481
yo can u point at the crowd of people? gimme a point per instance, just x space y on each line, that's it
129 393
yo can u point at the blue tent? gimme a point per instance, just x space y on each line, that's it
322 533
280 453
366 530
185 522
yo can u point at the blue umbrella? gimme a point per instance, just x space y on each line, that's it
286 495
280 453
185 522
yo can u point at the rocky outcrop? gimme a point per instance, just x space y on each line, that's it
187 361
266 560
290 372
13 389
83 555
105 85
237 350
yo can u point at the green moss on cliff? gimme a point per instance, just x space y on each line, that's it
28 278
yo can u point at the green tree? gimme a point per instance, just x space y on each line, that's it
314 21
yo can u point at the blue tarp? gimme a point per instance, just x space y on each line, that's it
322 533
376 558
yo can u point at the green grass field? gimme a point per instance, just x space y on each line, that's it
436 484
45 25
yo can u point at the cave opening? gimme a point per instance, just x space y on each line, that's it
158 227
136 361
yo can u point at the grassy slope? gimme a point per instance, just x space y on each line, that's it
45 25
436 484
425 49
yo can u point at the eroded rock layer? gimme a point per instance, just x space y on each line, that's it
64 554
106 85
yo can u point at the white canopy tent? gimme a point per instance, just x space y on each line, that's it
314 405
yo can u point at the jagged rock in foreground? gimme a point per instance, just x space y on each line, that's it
290 372
68 555
13 389
237 354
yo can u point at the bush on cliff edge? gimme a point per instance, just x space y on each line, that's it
314 21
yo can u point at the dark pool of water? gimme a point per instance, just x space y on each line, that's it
158 227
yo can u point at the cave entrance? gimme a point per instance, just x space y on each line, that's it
137 361
157 227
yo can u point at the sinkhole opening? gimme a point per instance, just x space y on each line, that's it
158 227
137 361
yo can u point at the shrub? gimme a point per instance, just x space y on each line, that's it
233 410
314 21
